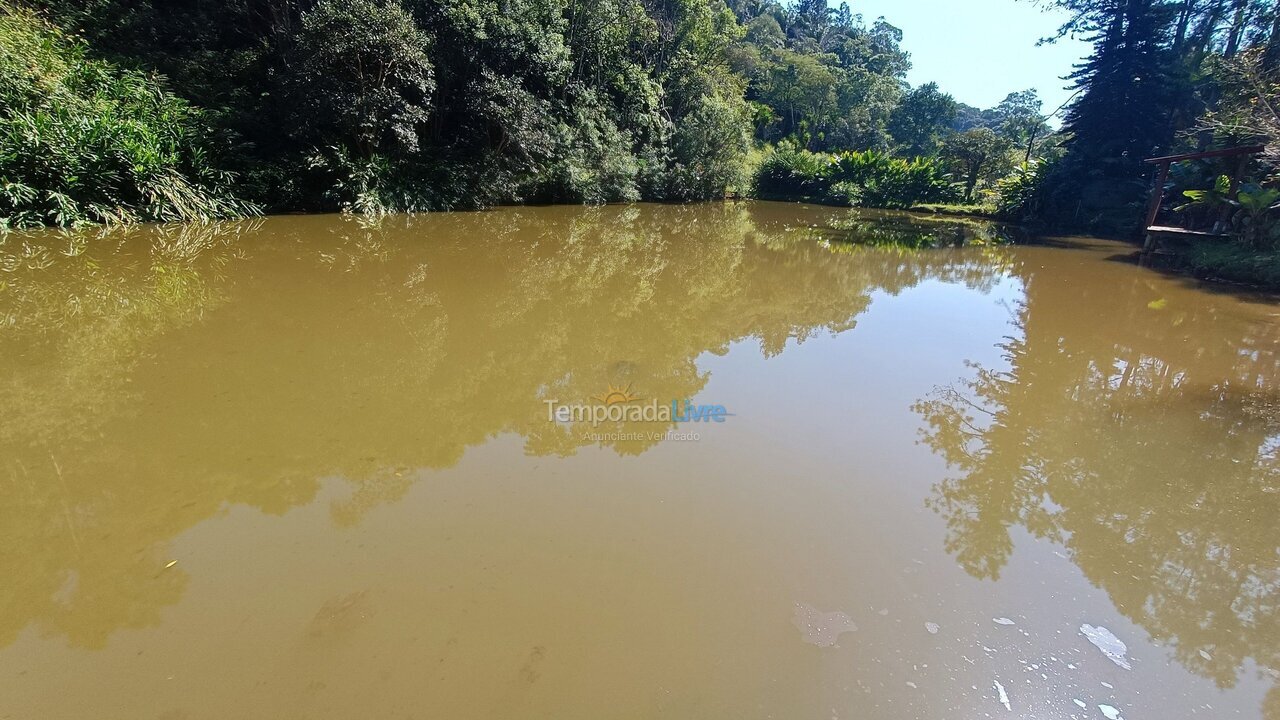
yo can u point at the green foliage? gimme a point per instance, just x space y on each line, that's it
1021 122
1018 194
1248 109
1159 71
1250 212
977 154
920 121
355 96
1255 221
1212 198
1257 201
385 105
381 105
360 77
405 105
827 80
792 172
867 178
708 149
886 181
85 141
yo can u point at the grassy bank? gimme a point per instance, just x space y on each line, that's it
1230 262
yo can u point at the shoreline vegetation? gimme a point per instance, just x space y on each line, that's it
124 111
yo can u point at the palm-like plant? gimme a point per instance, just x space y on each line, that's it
1255 219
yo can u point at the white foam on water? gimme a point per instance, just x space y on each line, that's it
1106 641
1004 696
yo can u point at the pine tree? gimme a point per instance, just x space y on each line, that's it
1122 114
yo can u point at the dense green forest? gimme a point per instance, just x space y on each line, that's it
116 110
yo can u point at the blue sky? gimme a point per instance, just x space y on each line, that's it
980 50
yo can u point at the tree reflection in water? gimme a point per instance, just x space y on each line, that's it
1142 436
156 376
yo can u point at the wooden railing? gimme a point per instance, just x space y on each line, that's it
1155 232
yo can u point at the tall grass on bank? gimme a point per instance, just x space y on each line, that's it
866 178
83 141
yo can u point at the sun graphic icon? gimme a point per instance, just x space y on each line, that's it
616 395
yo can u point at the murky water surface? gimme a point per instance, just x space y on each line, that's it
304 468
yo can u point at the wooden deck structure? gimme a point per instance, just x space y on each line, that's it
1156 232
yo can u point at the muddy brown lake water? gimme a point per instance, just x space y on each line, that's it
315 467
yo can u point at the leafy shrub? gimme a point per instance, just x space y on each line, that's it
84 141
844 192
791 172
893 182
594 166
1255 219
1018 193
867 178
708 148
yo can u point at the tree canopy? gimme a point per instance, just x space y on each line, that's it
377 105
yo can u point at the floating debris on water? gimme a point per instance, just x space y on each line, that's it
1205 655
1002 621
819 628
1079 702
1004 696
1110 645
932 627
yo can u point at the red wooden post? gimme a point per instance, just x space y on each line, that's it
1153 207
1157 194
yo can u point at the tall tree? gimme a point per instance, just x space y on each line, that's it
1020 120
1122 114
921 119
977 153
